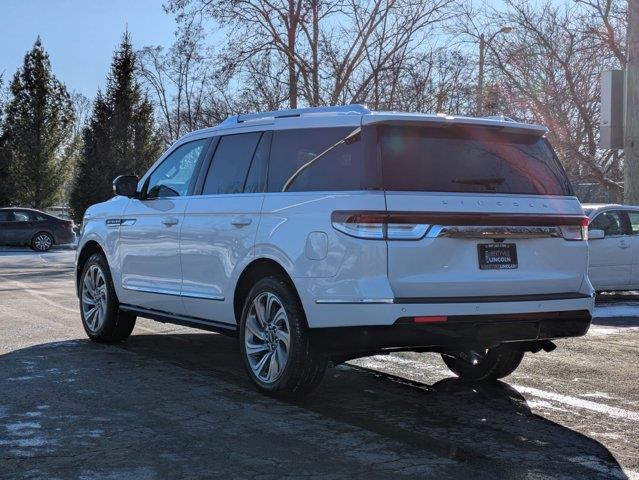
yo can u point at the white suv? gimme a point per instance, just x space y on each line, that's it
325 234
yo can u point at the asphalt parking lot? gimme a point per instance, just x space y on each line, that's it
174 402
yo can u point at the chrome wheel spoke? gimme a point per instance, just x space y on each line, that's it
255 348
283 337
88 285
260 312
273 368
255 329
262 363
87 299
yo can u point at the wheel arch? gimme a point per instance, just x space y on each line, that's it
259 268
88 249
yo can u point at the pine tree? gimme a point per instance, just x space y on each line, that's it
36 133
120 138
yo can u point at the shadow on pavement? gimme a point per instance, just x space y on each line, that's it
168 406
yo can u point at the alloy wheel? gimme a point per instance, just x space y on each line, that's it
267 337
94 298
43 242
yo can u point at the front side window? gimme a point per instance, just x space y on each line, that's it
231 163
612 223
318 159
5 216
173 176
469 159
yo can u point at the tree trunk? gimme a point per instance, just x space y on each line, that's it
631 141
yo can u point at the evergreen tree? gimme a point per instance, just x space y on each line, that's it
120 138
36 134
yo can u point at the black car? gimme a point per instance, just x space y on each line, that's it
24 226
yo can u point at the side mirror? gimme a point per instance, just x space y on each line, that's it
126 186
596 234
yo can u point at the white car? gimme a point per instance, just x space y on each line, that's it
614 246
326 234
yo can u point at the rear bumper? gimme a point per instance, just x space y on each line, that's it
64 236
457 332
368 312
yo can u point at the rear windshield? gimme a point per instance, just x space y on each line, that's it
469 159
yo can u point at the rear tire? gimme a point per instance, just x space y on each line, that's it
42 242
275 342
498 362
102 319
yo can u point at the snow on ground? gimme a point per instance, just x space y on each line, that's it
617 310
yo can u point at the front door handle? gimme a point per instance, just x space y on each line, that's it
170 221
241 221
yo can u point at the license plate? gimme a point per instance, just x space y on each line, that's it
497 256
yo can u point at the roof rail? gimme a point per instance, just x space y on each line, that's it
501 118
354 109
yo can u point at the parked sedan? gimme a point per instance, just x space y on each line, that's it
613 237
24 226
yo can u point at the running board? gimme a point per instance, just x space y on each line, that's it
186 321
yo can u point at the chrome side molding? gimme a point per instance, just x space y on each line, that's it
494 232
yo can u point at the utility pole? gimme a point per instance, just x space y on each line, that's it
483 45
480 80
631 134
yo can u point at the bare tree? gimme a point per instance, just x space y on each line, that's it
179 79
549 68
324 51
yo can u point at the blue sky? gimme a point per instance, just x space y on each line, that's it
80 35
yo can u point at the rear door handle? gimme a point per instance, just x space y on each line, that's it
170 221
623 244
241 221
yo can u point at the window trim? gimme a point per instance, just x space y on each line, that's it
167 155
264 180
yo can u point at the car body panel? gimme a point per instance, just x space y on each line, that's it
614 259
218 235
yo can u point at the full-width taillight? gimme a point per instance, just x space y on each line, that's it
378 225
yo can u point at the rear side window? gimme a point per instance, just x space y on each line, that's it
469 159
317 159
231 163
5 216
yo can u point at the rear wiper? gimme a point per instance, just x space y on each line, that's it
489 183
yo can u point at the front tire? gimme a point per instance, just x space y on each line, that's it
42 242
496 363
275 342
102 319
